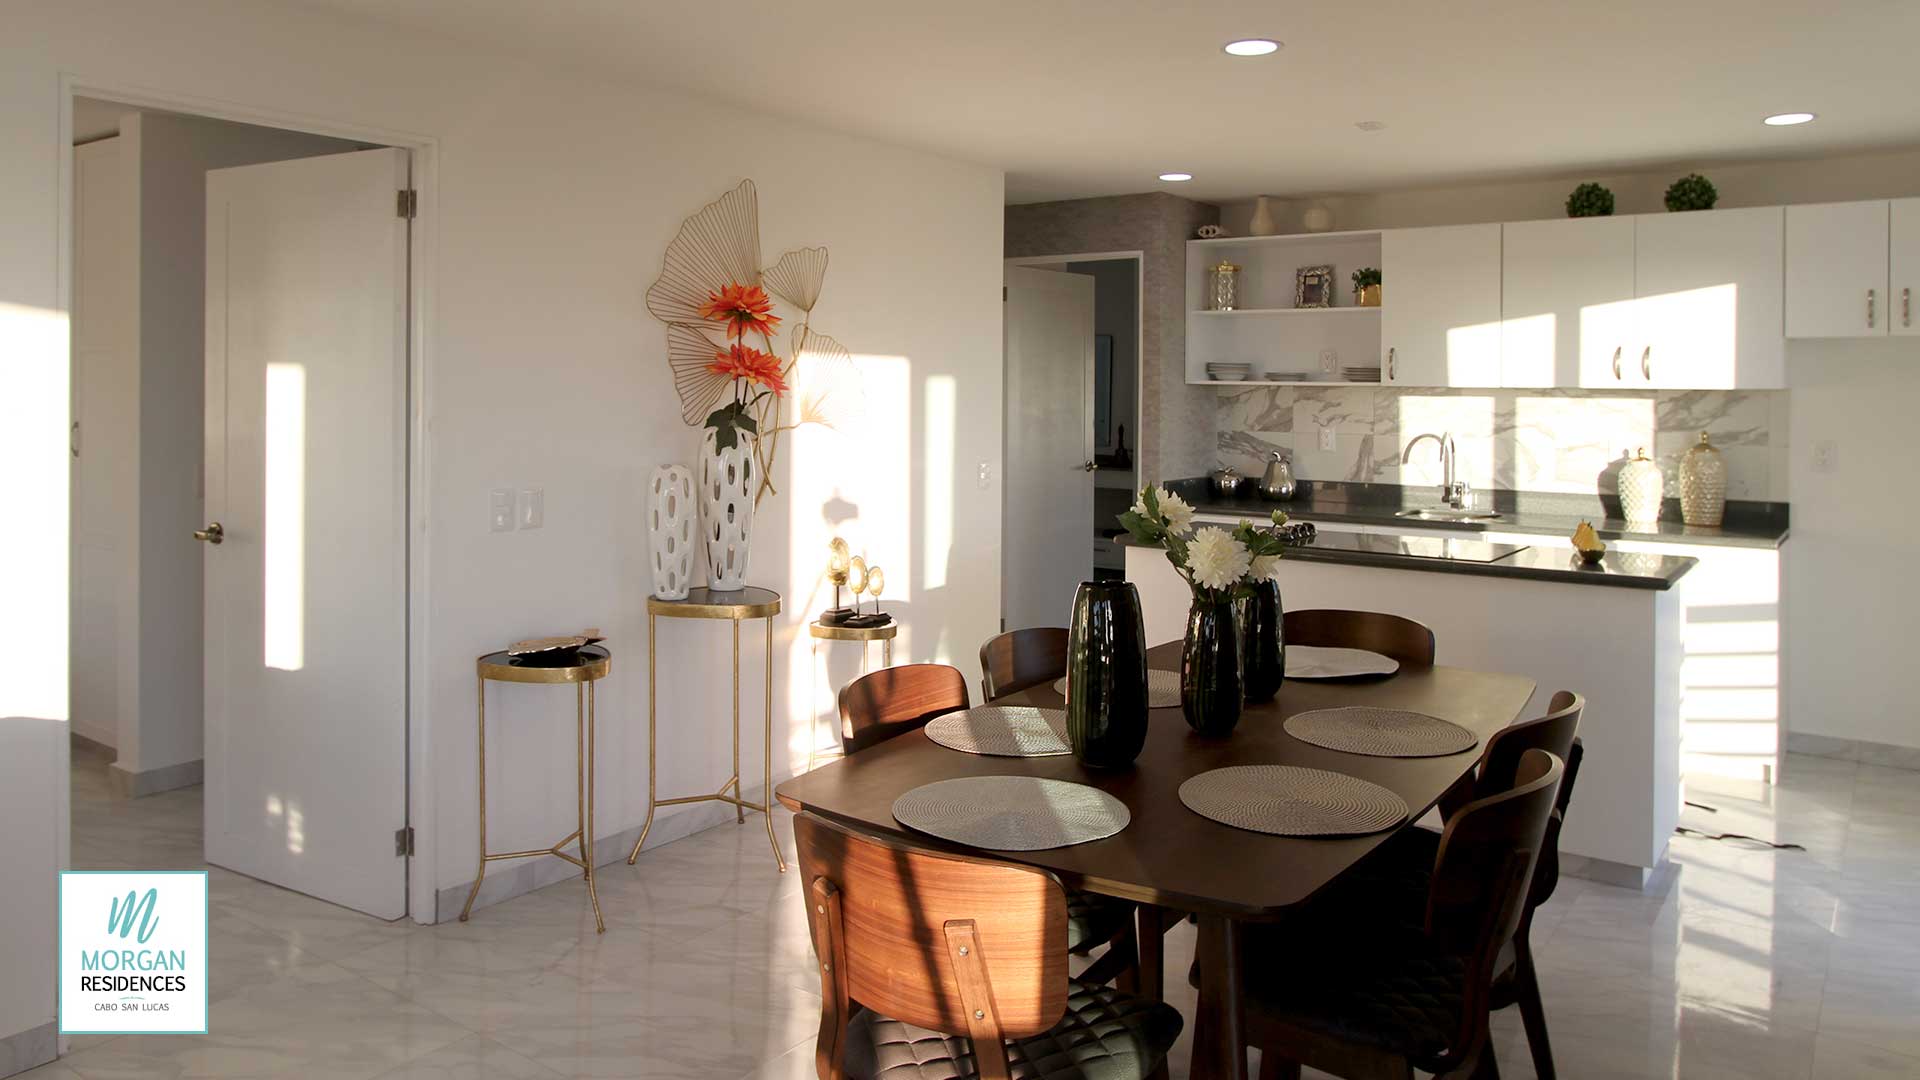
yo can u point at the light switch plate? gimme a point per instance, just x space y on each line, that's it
1326 438
985 476
1826 456
533 507
500 509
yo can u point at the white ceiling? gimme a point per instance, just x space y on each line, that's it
1096 97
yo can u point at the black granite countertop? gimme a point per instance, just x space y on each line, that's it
1747 524
1440 555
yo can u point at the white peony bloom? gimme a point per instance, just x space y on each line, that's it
1217 560
1265 568
1175 509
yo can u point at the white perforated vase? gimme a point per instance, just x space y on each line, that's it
727 479
671 513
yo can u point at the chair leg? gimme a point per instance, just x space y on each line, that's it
1275 1067
1126 943
1526 988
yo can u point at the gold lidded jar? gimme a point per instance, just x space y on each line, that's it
1703 484
1223 286
1642 489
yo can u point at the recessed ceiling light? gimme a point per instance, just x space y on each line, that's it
1176 177
1788 119
1251 47
1371 125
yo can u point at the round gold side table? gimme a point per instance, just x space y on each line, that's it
863 634
733 605
592 665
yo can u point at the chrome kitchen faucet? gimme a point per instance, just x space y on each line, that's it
1454 493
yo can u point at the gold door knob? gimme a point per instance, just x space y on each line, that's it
212 534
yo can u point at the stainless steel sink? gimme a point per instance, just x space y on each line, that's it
1446 514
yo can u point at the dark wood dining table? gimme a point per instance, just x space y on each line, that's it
1169 857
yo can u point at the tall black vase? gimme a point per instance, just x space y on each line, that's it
1107 675
1211 685
1263 645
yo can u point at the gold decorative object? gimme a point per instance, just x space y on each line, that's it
839 565
720 246
1703 485
876 580
732 605
857 578
1368 296
587 666
1588 543
1223 286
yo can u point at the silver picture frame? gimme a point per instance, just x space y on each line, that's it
1313 287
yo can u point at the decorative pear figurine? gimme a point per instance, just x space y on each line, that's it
1642 489
1703 484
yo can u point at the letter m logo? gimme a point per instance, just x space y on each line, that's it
122 917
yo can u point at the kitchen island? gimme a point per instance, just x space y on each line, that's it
1611 632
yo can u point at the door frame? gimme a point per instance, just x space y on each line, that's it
425 151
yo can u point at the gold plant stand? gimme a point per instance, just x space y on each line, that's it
864 635
594 663
734 605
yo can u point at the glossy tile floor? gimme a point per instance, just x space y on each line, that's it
1739 961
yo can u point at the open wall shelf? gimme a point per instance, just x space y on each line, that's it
1269 332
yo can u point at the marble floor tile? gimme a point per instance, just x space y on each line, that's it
1737 960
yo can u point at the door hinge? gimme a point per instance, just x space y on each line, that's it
403 841
1003 294
409 203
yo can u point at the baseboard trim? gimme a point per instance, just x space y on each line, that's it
133 785
82 742
1861 751
30 1049
522 876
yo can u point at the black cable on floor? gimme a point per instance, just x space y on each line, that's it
1698 835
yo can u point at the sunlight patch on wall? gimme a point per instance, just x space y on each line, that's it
34 414
284 546
936 538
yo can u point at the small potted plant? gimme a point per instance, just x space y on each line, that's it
1692 192
1590 200
1366 286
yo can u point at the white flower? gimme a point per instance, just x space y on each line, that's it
1264 568
1216 559
1175 509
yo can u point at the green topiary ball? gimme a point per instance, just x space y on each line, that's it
1692 192
1590 200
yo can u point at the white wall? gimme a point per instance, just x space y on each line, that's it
556 195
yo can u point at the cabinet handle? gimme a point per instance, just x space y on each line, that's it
1390 364
1646 364
1869 309
1906 306
1616 361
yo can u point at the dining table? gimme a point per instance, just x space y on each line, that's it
1169 859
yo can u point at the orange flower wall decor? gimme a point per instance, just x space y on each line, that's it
713 295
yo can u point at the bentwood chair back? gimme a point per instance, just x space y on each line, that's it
953 944
1402 638
1017 659
1553 732
885 703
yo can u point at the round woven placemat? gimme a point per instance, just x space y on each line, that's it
1163 688
1328 662
1011 813
1002 731
1287 800
1380 732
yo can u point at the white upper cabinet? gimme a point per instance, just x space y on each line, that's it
1440 319
1708 288
1903 268
1566 296
1837 270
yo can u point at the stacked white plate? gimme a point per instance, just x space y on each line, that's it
1225 371
1287 376
1360 374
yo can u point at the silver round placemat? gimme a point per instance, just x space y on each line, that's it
1011 813
1357 729
1002 731
1327 662
1287 800
1163 688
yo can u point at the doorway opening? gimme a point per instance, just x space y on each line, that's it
1073 345
237 308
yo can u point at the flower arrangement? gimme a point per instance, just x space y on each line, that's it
1365 276
1217 563
753 374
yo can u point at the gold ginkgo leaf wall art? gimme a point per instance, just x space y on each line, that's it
718 248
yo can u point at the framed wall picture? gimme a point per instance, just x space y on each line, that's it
1313 287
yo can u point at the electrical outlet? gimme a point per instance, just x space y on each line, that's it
500 509
1329 361
532 508
984 478
1826 456
1326 438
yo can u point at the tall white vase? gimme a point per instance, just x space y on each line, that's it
671 513
1262 223
727 480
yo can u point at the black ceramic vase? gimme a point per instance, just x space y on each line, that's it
1211 693
1263 645
1107 675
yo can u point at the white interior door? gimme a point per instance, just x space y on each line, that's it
1048 542
306 453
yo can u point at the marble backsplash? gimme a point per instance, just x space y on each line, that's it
1570 441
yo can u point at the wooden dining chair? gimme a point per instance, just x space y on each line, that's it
1017 659
936 964
892 701
1402 638
1386 999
